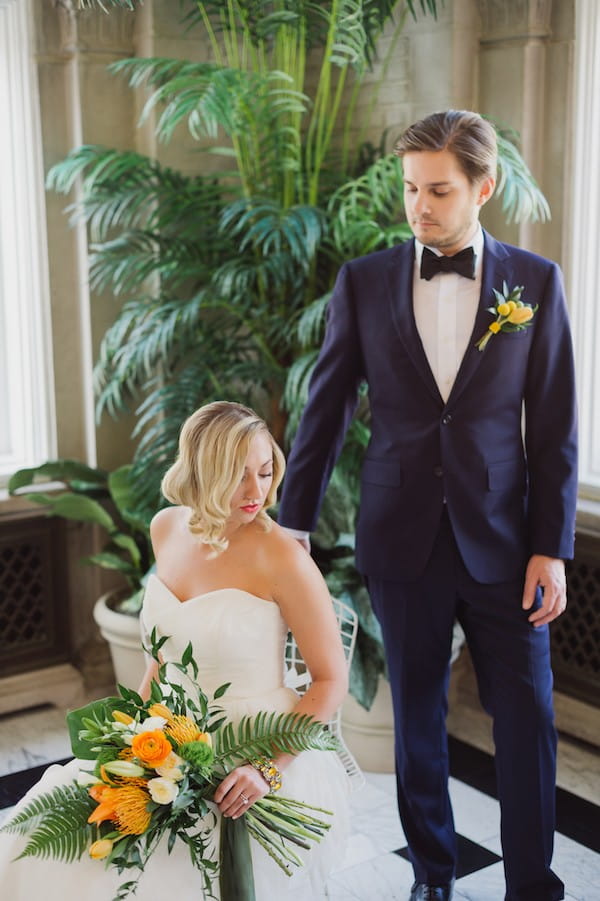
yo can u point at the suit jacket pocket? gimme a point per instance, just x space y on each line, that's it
382 472
508 475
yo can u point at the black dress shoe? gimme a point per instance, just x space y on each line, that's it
421 891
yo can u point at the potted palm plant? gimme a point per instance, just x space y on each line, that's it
105 500
225 276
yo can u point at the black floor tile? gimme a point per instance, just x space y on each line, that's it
14 785
576 818
470 856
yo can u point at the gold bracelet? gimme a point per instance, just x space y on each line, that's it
266 767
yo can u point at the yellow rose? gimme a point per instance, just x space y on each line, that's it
101 849
171 768
162 791
160 710
520 315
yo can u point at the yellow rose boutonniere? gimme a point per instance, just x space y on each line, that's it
512 315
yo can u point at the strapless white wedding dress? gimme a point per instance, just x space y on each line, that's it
237 638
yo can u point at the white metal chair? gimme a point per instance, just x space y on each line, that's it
298 677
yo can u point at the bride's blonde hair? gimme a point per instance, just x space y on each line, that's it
213 446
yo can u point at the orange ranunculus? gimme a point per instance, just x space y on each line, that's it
151 748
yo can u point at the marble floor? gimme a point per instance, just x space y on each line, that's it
374 868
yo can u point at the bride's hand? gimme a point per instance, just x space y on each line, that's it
239 790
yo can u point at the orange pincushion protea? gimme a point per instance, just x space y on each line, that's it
151 748
126 806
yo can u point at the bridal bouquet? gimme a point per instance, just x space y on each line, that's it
153 769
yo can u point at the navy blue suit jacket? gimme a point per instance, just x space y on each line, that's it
509 482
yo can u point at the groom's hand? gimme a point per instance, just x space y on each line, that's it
549 574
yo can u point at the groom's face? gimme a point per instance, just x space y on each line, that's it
441 204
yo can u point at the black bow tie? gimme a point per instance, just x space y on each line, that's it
462 262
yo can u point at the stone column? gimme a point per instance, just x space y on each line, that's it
514 41
80 103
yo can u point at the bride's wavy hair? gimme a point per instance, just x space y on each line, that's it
213 447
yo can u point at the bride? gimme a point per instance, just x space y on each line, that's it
232 582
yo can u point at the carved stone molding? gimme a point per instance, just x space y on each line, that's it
93 31
62 30
506 19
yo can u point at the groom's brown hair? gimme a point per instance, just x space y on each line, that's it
470 137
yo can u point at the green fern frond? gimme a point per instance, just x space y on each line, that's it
57 823
267 732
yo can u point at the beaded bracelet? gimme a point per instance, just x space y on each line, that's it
266 767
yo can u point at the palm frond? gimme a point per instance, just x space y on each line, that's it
210 96
102 4
311 323
65 833
260 22
296 389
277 276
265 226
522 199
427 6
128 191
258 735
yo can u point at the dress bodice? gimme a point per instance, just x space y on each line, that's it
236 637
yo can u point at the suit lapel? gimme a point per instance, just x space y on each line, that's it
400 283
496 269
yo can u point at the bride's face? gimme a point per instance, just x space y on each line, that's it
251 493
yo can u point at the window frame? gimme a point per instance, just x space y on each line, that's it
27 407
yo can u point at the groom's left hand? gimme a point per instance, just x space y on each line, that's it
549 574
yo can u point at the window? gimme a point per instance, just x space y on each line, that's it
584 268
27 430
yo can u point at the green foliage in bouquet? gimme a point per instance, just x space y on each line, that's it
153 769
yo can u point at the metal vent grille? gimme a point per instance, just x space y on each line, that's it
33 603
575 636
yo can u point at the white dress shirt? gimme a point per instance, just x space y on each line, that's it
445 308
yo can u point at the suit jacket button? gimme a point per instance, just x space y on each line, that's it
446 418
438 471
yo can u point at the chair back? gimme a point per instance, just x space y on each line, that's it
297 676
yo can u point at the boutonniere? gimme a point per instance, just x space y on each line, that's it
512 315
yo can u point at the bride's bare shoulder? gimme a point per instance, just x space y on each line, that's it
165 521
280 543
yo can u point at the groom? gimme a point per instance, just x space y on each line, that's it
468 492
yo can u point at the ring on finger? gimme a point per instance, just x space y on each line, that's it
244 798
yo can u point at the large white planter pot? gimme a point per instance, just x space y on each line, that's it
369 734
122 632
